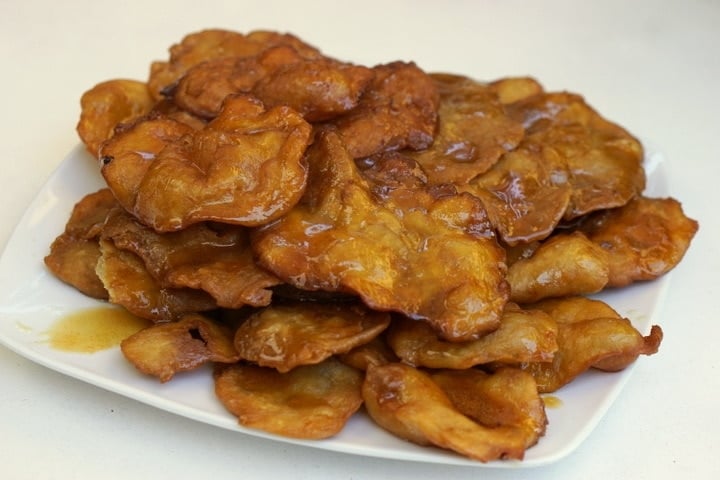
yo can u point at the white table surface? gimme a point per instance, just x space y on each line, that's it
653 66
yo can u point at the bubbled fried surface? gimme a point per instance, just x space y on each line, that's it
205 45
643 239
506 398
108 105
407 403
166 349
74 254
473 131
171 176
310 401
604 160
341 238
522 336
130 285
210 257
289 335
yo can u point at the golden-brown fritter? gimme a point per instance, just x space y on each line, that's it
109 104
473 131
563 265
506 398
603 160
424 259
310 401
245 167
606 343
318 88
130 285
74 254
523 336
407 403
397 110
205 45
288 335
214 258
644 239
526 193
164 349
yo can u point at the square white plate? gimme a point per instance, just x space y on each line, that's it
32 299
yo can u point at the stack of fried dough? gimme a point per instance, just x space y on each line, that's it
331 236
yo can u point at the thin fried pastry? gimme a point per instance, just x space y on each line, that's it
523 336
213 258
506 398
205 45
397 110
109 104
472 134
407 403
165 349
74 254
130 285
288 335
311 401
171 176
605 343
565 264
317 88
604 161
578 309
526 193
644 239
426 262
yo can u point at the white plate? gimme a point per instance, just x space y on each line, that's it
31 300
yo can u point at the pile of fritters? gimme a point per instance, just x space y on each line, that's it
332 235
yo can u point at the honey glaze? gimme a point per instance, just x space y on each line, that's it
94 329
551 401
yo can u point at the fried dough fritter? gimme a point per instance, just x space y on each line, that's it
109 104
605 343
216 259
310 401
318 88
397 110
425 262
164 349
131 286
563 265
171 176
603 160
286 336
473 131
644 239
74 254
506 398
526 193
212 44
407 403
523 336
